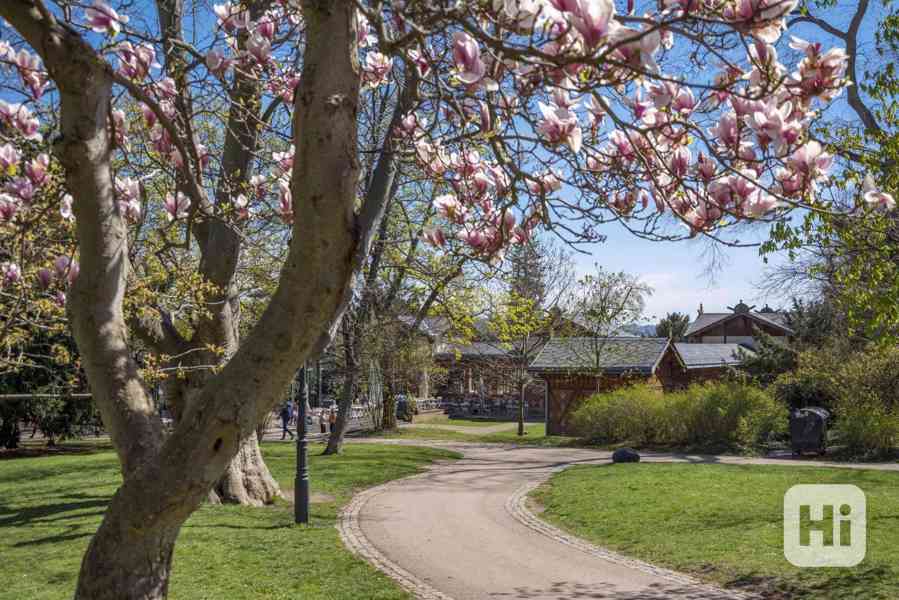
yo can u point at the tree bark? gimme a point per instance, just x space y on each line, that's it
247 479
521 409
125 561
345 405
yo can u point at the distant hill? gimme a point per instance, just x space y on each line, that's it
637 330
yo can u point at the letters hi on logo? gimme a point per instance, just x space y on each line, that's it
818 541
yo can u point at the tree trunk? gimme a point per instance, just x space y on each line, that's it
247 479
521 409
344 407
125 560
389 422
351 337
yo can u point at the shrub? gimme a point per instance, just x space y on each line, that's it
860 388
711 415
630 414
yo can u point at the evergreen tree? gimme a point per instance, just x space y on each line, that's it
673 326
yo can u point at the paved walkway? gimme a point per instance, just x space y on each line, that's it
462 531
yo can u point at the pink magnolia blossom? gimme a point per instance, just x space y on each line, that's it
45 278
450 207
772 124
684 102
705 167
285 86
266 26
9 159
242 206
104 19
762 18
127 188
119 127
501 183
10 273
166 89
820 75
34 77
130 209
621 146
595 111
284 160
521 235
789 182
811 161
135 62
593 19
434 236
9 206
376 70
63 266
663 93
149 115
635 48
128 197
259 48
467 56
680 161
259 184
420 59
65 207
22 188
176 206
727 131
231 18
876 198
364 36
476 239
559 125
20 118
285 202
407 126
544 183
761 204
217 63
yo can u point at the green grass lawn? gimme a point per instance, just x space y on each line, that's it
443 419
724 523
50 506
536 435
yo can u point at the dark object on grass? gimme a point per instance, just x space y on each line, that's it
625 455
808 430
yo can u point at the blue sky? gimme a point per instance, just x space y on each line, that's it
679 272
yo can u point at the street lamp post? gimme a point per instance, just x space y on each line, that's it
301 480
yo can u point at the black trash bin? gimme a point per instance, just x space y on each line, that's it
808 430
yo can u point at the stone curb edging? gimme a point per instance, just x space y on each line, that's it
516 506
351 535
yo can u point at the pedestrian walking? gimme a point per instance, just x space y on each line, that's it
332 420
323 421
286 415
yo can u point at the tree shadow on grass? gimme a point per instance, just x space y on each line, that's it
32 450
49 513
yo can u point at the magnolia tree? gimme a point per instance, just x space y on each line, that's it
560 113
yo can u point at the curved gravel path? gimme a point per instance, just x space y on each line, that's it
462 531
